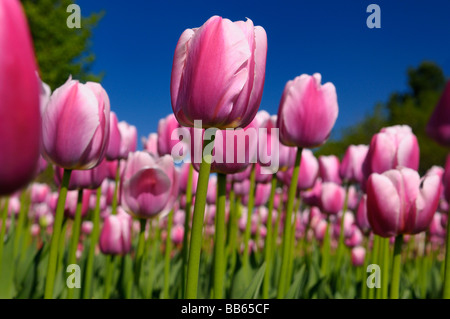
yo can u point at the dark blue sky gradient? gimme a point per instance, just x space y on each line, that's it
135 41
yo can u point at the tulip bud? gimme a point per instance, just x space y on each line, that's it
350 169
307 111
218 73
358 256
115 237
329 169
20 118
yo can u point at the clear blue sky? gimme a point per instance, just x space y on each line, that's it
135 41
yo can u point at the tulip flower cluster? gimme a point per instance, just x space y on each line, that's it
151 223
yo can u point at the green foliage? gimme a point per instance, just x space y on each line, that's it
412 108
61 51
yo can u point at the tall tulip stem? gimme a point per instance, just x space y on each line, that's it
116 190
219 243
341 246
187 224
53 256
3 230
197 224
446 291
93 243
287 226
76 227
140 253
268 241
167 255
248 225
396 267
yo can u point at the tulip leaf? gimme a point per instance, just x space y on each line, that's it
253 290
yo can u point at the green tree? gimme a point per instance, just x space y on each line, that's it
61 51
412 108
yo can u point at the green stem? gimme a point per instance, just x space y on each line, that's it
3 230
140 253
153 262
231 222
235 215
116 189
24 205
219 243
167 256
287 226
187 221
76 227
341 246
396 267
326 251
292 245
364 271
110 262
268 241
446 283
197 224
375 257
251 201
93 243
385 271
53 256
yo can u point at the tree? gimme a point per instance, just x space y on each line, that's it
61 51
412 108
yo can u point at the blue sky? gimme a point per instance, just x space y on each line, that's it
135 41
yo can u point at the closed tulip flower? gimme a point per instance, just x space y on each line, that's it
329 169
115 237
150 143
184 174
307 111
262 193
71 203
146 185
309 171
332 198
218 73
358 256
177 234
20 121
166 128
128 139
75 125
393 146
438 127
361 215
350 169
113 149
92 178
446 179
399 202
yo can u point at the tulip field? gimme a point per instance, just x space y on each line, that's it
224 201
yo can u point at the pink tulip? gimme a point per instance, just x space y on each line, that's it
233 151
43 164
262 193
166 128
307 111
184 174
242 188
399 202
128 139
312 196
358 256
71 203
320 229
151 143
86 227
393 146
91 178
115 237
356 237
350 169
329 169
177 234
146 185
75 125
332 198
39 192
353 198
44 95
212 190
309 170
361 215
240 176
438 127
218 73
262 174
20 120
113 149
446 179
437 227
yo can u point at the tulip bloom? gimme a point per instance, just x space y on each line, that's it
92 178
20 121
150 144
393 146
146 184
399 202
113 150
128 139
165 143
115 238
358 256
350 169
361 215
218 73
75 125
329 169
308 173
438 127
332 198
307 112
